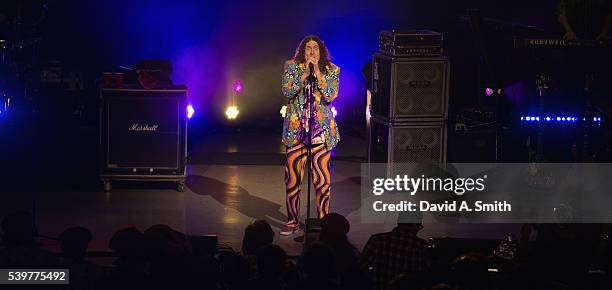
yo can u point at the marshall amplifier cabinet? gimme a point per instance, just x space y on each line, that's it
410 43
407 142
410 87
143 135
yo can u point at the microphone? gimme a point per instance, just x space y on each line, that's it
311 68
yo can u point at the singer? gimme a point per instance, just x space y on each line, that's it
310 65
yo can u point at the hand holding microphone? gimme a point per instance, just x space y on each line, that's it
313 68
310 70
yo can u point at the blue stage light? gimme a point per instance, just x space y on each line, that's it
190 111
554 118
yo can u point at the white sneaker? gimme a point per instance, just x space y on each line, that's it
288 229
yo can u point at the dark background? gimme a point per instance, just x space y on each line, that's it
214 43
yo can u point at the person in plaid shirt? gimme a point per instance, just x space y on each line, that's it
400 251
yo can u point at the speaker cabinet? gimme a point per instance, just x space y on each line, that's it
143 135
477 145
410 87
410 142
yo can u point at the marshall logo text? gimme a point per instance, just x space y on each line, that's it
141 128
416 147
419 84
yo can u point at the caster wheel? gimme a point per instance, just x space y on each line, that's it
107 186
180 186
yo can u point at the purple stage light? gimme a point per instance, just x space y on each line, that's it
489 91
238 86
190 111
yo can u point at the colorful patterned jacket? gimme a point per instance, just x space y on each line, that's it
326 92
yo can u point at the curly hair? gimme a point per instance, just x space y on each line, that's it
300 51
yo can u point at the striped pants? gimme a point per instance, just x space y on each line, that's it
294 173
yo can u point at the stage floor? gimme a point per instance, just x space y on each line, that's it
231 182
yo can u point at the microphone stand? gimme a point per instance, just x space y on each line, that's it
312 224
